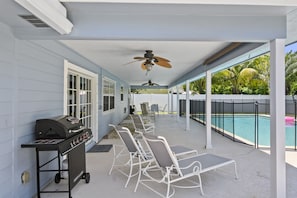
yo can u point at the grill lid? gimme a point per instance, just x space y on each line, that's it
60 127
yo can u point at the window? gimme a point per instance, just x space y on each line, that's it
108 94
122 93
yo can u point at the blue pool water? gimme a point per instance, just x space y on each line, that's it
244 127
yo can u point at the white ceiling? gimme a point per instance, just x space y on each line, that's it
111 33
117 57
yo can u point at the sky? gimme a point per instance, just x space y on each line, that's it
292 47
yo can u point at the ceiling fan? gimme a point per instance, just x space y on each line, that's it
150 83
150 60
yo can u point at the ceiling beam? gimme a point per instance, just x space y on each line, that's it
180 28
148 87
201 2
221 53
245 48
53 13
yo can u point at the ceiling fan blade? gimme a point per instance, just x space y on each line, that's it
131 62
163 64
161 59
139 58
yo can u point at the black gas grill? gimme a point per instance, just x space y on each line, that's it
67 136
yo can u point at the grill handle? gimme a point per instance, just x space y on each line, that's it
77 130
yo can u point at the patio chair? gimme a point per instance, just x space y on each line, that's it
174 170
145 110
136 154
163 109
155 108
140 126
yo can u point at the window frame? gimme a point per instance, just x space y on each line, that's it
108 93
74 69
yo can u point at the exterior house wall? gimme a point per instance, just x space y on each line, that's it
31 87
7 81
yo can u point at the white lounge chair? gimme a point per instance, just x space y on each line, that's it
146 112
140 126
174 170
138 154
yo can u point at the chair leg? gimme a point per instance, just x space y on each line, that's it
139 173
114 159
168 189
200 182
131 169
168 183
235 169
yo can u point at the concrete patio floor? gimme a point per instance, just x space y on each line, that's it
253 168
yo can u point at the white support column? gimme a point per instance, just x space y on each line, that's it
168 101
208 110
177 102
187 105
277 123
171 102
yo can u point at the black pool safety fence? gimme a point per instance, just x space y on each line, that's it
225 114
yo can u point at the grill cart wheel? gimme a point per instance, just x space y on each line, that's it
57 178
87 177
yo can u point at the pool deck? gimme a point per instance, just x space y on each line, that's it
253 168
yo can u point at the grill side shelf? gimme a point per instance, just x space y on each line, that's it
44 144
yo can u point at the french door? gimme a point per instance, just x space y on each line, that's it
80 98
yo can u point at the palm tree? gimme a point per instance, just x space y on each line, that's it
198 86
250 77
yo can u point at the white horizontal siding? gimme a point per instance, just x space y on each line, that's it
5 134
5 66
6 182
6 159
6 105
32 84
5 108
32 64
40 94
6 82
31 87
6 95
40 76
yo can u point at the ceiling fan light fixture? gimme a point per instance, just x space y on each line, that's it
149 66
150 60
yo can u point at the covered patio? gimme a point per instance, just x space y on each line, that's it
49 48
253 168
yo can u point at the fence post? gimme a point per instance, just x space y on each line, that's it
215 115
223 118
295 119
233 121
256 125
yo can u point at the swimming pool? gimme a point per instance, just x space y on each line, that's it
244 128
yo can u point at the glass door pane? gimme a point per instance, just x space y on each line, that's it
79 102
